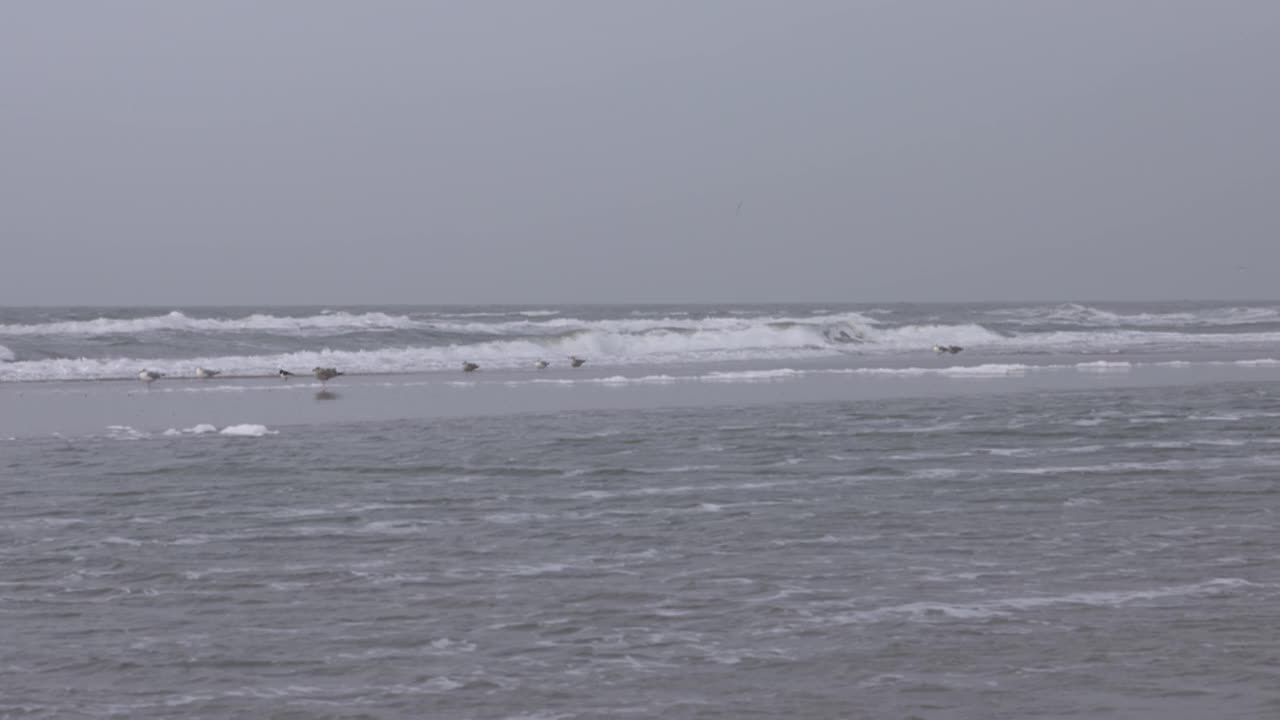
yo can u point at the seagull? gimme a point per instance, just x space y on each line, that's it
953 349
284 373
541 364
206 373
469 367
576 361
324 375
149 376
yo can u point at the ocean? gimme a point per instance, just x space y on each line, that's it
727 512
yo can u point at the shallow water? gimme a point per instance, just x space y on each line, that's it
1098 553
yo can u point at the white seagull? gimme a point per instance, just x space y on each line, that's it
324 375
149 376
206 373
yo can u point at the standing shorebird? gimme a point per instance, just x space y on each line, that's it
324 375
284 373
149 376
206 373
541 364
469 367
576 361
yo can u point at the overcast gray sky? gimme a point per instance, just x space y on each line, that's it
312 151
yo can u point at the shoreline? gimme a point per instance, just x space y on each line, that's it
75 408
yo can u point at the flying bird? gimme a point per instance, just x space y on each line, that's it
576 361
541 364
469 367
284 373
206 373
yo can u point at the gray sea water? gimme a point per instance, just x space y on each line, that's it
843 529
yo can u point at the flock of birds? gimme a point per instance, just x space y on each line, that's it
325 374
574 361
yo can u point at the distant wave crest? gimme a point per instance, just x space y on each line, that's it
1088 316
422 341
518 343
179 322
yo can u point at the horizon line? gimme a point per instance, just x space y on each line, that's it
620 303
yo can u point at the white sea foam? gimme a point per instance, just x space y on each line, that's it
649 341
988 370
984 370
1149 468
494 345
673 337
414 360
1087 316
923 337
525 313
6 355
1104 366
125 432
611 380
986 609
1111 340
177 321
247 430
535 322
752 375
782 374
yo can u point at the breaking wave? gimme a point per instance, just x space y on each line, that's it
1088 316
518 343
178 322
255 345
